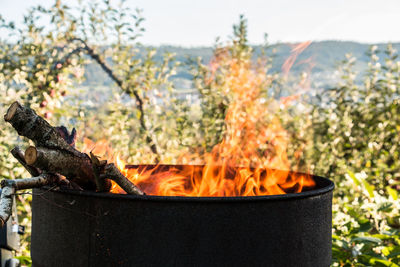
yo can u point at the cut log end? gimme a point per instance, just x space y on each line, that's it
31 155
11 111
20 156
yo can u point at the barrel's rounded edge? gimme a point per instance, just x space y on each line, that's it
323 185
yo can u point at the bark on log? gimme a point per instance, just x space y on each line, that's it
32 182
77 169
112 172
9 187
29 124
60 180
6 202
102 185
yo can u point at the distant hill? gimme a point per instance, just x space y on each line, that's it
325 55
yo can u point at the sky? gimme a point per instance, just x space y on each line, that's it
199 23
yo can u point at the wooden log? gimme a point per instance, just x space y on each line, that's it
54 153
112 172
102 185
6 202
19 155
77 169
27 123
9 187
32 182
60 180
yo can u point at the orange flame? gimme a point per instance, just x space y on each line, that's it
296 51
305 83
251 160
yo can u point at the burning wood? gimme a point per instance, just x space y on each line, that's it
114 174
55 161
104 172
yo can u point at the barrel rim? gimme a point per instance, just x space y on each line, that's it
323 185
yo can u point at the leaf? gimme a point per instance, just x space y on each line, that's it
383 262
382 236
395 252
369 188
365 225
352 175
394 221
364 239
386 207
25 260
386 251
392 192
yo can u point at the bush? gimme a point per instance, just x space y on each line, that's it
355 133
349 133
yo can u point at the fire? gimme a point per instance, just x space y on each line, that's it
304 85
251 160
296 51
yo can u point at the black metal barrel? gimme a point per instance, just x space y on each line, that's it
71 228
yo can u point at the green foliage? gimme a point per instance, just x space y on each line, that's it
9 167
359 124
355 134
366 224
349 132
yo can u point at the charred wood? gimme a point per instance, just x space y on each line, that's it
70 138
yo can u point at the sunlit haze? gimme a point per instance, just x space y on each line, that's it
195 23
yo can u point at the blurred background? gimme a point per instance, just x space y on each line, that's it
154 79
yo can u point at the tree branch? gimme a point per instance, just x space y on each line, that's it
120 84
